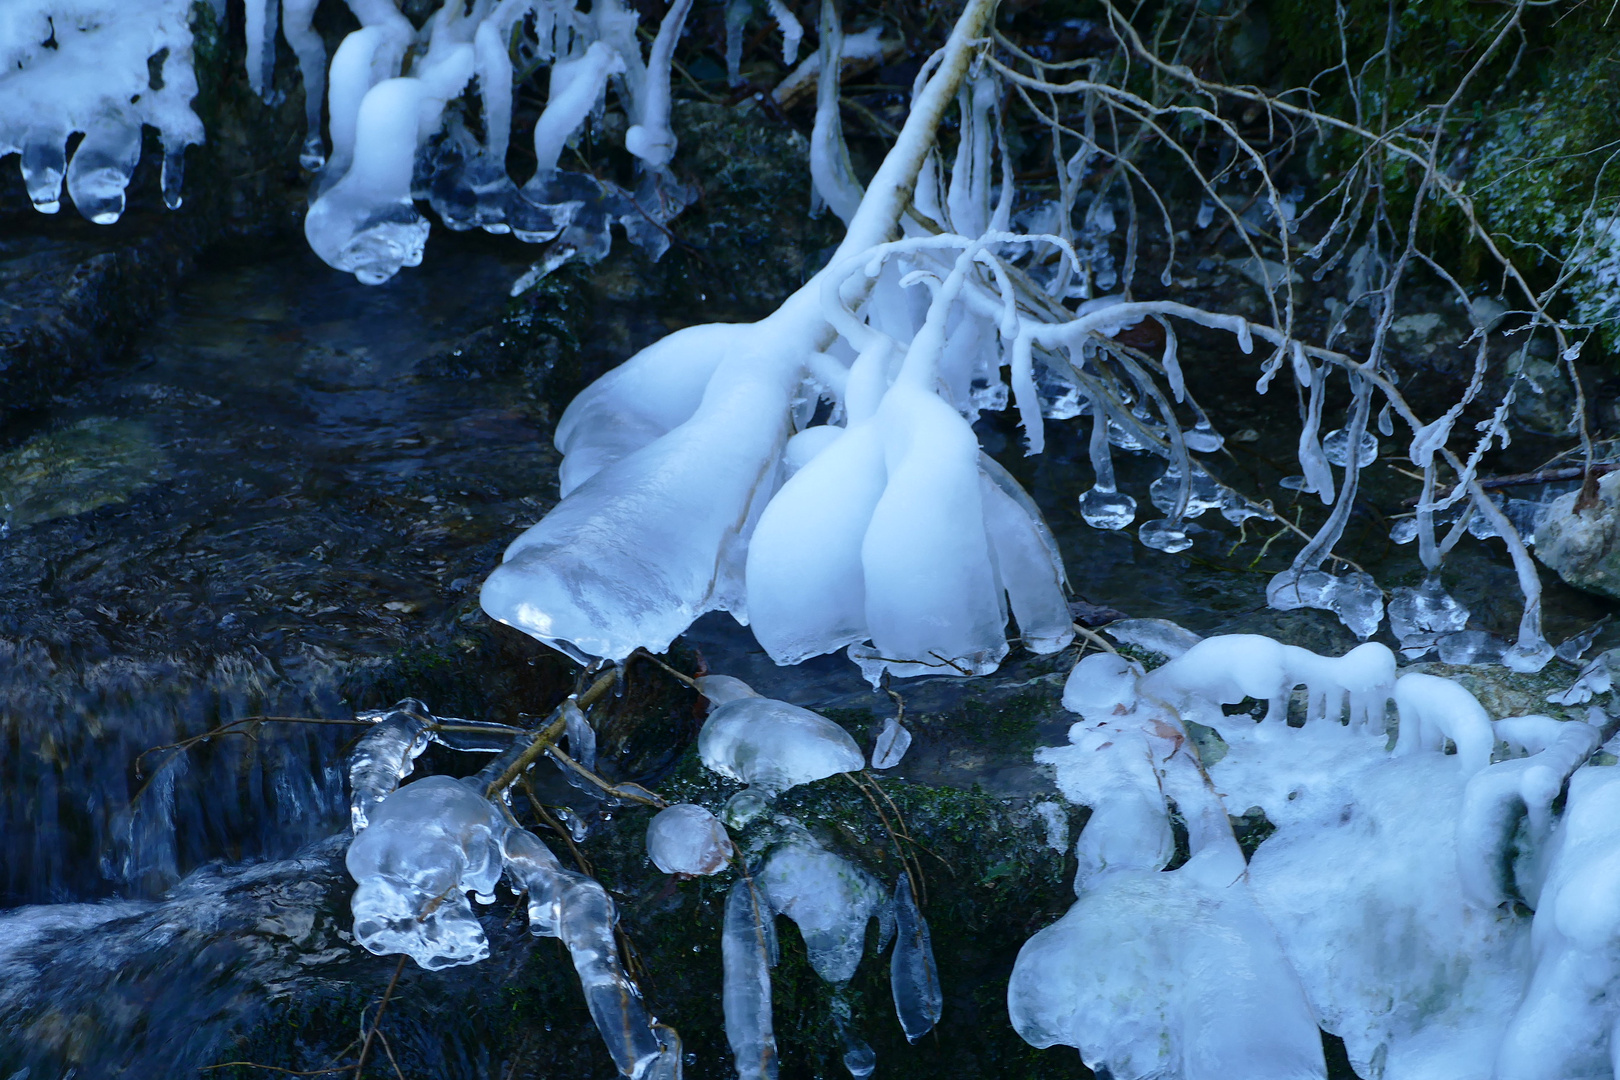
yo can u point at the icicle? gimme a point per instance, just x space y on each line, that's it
102 165
650 138
581 736
830 173
792 32
576 86
748 950
577 910
1312 461
297 26
913 977
261 47
737 12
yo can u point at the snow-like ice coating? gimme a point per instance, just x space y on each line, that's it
86 66
1387 906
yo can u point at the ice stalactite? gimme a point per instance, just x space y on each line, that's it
748 950
86 66
913 976
576 910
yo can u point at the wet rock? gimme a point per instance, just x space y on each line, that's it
96 462
1583 546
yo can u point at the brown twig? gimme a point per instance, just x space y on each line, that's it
365 1047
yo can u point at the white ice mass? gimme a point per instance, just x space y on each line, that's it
1391 906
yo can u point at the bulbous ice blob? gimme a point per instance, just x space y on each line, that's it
932 601
651 542
829 898
720 689
1105 508
1102 685
806 580
687 839
1417 617
772 746
427 845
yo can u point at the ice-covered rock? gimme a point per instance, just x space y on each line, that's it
772 746
426 847
687 839
103 68
1566 1024
1159 973
1507 819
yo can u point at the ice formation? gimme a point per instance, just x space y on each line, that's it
70 66
1382 907
772 746
576 909
426 847
687 839
748 952
829 898
913 976
384 756
1153 972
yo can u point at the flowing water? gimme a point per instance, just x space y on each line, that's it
271 510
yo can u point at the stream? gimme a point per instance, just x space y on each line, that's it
276 508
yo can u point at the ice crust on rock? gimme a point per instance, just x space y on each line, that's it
1156 973
71 66
771 746
425 848
687 839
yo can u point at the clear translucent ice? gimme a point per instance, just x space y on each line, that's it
578 911
748 950
913 975
772 746
687 839
384 756
829 898
427 846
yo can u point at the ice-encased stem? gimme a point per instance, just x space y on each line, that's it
913 976
383 757
577 910
748 949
